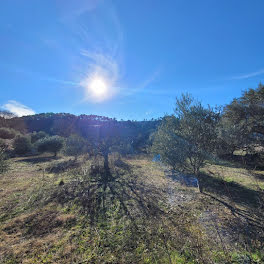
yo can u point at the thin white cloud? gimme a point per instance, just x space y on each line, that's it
248 75
17 108
141 88
71 8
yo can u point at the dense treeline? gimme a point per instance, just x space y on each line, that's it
88 126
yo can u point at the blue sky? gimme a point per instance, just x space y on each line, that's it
146 52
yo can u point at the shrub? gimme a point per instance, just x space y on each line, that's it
3 161
7 133
3 144
75 146
35 136
50 144
22 145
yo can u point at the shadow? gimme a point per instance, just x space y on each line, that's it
63 166
249 161
232 190
99 191
123 165
232 195
257 176
37 159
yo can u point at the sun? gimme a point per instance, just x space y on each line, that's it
98 87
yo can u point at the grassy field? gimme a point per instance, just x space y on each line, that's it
59 211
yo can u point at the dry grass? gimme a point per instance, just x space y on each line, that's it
146 217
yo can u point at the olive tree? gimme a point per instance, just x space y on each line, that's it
186 139
22 145
50 144
75 146
242 124
35 136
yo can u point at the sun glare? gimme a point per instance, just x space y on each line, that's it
98 87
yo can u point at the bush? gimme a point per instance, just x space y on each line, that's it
22 145
3 161
35 136
7 133
75 146
3 145
50 144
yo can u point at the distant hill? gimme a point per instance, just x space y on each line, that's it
88 126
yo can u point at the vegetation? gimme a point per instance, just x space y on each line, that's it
22 145
35 136
75 146
243 119
113 204
50 144
189 138
7 133
3 161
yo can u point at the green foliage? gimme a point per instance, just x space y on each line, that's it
7 133
168 144
22 145
229 137
75 146
35 136
243 121
3 144
50 144
187 139
3 161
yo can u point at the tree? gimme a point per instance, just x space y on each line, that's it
75 146
188 138
7 133
230 137
244 116
3 159
168 144
108 139
22 145
35 136
50 144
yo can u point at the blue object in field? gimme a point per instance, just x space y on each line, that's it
187 180
191 181
157 158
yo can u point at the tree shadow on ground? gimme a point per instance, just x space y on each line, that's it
37 159
232 195
238 161
62 166
120 196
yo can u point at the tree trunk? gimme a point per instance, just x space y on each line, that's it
106 162
200 186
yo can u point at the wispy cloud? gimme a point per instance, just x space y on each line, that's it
72 8
102 67
142 87
248 75
17 108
